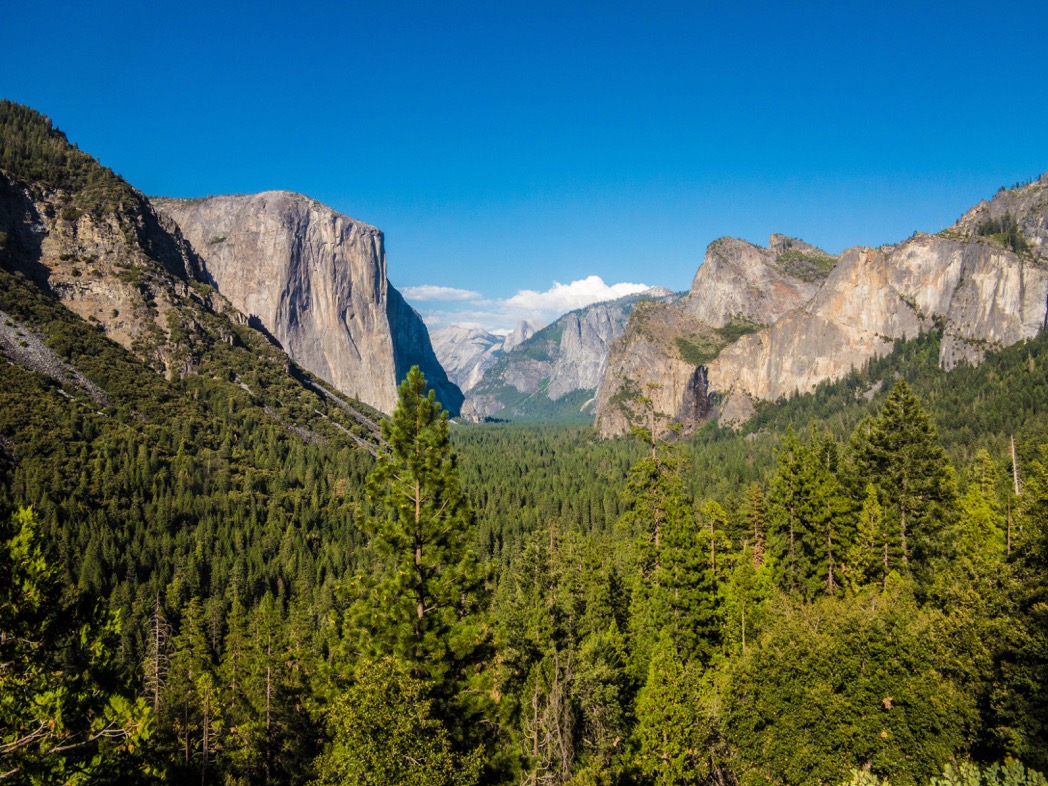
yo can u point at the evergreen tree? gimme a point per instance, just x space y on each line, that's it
65 717
842 681
673 583
809 521
745 594
601 690
899 452
385 734
424 590
866 561
1028 677
671 733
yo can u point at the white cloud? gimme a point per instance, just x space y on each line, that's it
431 292
501 316
561 298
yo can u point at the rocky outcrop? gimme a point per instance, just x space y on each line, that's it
524 330
549 371
315 280
985 296
111 262
739 288
739 282
467 353
984 281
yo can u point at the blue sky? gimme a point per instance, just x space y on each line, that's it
506 147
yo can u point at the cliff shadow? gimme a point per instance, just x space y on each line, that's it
412 347
22 235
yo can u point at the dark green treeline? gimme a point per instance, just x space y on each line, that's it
786 606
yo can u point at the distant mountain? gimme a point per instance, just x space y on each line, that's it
759 324
553 373
315 280
466 353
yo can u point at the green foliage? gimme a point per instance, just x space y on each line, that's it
1006 231
668 723
898 451
423 587
806 267
736 329
841 682
1008 773
809 523
64 715
386 735
673 579
698 350
35 152
538 407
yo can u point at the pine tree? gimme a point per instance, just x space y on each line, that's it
866 560
899 452
745 593
601 692
64 715
669 730
421 598
673 582
808 516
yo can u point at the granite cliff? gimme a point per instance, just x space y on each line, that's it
315 280
89 269
984 281
666 347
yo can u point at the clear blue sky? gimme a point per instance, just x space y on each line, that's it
505 146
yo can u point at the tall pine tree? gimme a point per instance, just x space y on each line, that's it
423 590
899 452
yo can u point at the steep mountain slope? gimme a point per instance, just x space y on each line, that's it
466 353
554 373
83 255
985 279
665 349
86 237
316 281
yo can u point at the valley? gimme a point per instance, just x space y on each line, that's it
788 527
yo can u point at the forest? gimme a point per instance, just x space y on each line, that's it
850 590
232 575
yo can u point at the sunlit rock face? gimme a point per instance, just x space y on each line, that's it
739 288
984 280
539 368
315 280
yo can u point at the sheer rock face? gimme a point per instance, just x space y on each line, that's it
582 353
739 287
521 333
316 281
741 282
986 296
467 353
987 290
